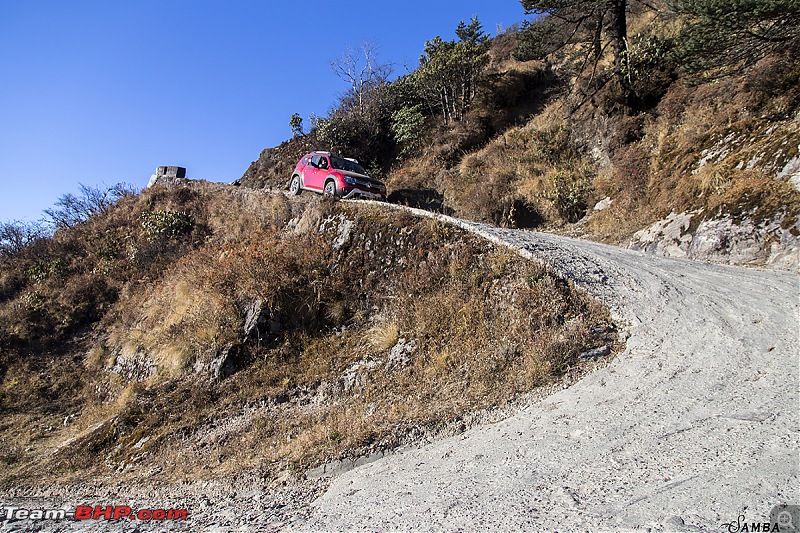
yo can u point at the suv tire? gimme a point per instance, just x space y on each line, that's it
295 187
330 189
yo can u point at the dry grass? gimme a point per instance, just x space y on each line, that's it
711 147
478 326
536 166
384 334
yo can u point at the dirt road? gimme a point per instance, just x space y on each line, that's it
695 424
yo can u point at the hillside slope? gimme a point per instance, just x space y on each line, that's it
694 166
695 424
203 332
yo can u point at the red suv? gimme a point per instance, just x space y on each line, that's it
335 176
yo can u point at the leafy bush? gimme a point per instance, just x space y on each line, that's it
569 194
52 267
649 68
407 124
166 224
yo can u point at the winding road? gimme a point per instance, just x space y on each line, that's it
695 425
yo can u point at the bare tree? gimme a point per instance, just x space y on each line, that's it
362 71
16 235
70 210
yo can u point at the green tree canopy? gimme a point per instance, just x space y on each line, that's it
724 36
449 70
296 122
472 32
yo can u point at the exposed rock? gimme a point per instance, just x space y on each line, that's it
343 227
354 376
223 362
668 237
324 392
603 204
723 240
400 355
258 322
791 171
133 366
596 353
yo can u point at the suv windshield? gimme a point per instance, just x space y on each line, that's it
346 164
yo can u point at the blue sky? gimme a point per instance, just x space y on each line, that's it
101 92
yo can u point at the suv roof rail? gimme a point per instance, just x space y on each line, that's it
352 159
321 152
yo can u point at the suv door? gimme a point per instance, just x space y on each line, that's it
315 172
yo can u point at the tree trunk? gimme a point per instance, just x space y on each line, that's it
444 108
598 36
618 30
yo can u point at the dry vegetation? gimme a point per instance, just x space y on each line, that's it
540 145
373 328
713 148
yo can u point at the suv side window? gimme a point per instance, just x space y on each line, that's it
323 163
315 161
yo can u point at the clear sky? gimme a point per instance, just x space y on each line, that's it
101 92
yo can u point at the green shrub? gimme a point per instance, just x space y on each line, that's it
407 127
569 194
166 224
46 268
650 68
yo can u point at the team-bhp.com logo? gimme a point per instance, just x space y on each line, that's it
94 512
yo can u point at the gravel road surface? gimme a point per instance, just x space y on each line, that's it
695 424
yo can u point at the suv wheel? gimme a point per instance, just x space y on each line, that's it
330 189
294 186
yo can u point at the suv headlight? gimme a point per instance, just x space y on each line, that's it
350 179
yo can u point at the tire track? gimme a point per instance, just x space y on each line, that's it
694 424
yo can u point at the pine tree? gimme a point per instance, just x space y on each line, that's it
449 70
296 122
724 36
603 22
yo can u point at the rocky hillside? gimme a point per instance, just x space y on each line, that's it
665 149
200 331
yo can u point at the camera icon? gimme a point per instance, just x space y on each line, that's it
786 518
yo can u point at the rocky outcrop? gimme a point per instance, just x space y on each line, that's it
723 240
133 365
273 168
258 325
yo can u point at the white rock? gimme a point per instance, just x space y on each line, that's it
605 203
